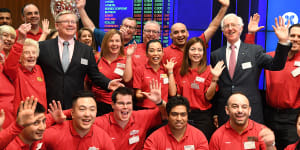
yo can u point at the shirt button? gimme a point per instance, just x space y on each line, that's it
232 86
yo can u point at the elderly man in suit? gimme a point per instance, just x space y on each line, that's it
244 64
65 63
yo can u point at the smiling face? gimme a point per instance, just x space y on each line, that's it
66 25
86 37
83 114
31 14
155 53
29 57
131 29
238 109
34 132
179 34
177 118
5 18
151 32
114 44
294 37
122 108
232 29
8 41
196 53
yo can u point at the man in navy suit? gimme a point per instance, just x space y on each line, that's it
244 64
65 63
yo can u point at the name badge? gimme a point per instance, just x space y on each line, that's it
249 145
163 75
246 65
166 80
120 65
93 148
297 63
134 139
137 56
189 147
133 132
84 61
295 72
119 71
200 79
195 86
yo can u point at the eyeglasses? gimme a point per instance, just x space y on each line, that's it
153 31
129 27
123 104
67 22
233 25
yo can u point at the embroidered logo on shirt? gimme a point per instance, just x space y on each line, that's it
40 79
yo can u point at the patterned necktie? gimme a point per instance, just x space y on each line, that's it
65 56
232 61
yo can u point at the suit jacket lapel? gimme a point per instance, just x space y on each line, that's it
223 57
56 53
76 54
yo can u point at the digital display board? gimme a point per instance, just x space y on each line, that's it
195 14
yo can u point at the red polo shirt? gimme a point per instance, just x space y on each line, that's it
163 139
226 138
31 35
193 86
18 144
25 82
139 57
113 70
7 135
133 135
292 146
174 52
64 136
7 95
283 89
141 80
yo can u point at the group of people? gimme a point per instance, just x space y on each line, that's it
118 97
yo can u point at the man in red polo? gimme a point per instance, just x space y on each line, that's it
127 128
80 132
240 132
177 134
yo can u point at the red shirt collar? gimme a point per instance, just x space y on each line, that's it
173 46
39 32
74 132
171 134
34 70
113 120
249 127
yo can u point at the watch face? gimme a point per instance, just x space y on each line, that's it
57 6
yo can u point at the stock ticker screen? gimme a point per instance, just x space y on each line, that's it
195 15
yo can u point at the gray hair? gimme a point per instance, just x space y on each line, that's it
64 13
31 42
152 22
240 20
7 29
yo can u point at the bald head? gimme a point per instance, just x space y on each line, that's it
237 96
179 34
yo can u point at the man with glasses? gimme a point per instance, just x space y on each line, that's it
128 27
240 132
65 63
244 64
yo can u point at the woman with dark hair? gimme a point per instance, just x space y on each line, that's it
198 83
112 64
153 71
295 146
86 36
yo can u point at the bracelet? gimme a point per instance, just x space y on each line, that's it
160 103
170 72
214 80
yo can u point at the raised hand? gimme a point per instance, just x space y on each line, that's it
56 112
155 92
26 111
217 70
123 31
224 2
253 24
114 84
281 30
23 29
131 48
170 65
80 4
267 136
45 26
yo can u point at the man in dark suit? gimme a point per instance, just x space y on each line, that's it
65 63
244 64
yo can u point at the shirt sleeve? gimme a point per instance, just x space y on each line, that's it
150 143
99 35
11 64
8 134
250 38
